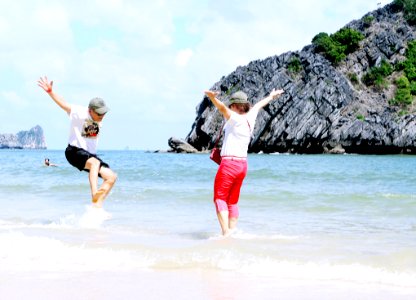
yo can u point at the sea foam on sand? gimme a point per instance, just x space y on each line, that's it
94 217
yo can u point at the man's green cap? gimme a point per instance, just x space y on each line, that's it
98 105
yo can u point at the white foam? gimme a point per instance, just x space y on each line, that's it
239 234
93 217
21 252
225 257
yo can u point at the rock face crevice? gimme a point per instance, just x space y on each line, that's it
322 110
31 139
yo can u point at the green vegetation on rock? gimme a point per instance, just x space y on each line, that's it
368 20
409 9
294 65
376 76
337 46
403 96
406 85
360 117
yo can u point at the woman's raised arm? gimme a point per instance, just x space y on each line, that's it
274 94
224 110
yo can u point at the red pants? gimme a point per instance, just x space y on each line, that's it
228 181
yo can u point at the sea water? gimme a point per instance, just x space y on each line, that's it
311 227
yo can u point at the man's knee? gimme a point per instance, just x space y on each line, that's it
92 163
109 176
113 177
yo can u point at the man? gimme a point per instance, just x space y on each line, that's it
83 138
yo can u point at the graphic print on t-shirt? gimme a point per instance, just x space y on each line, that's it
90 129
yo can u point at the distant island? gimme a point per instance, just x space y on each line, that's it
31 139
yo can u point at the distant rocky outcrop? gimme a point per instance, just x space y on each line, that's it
32 139
323 110
181 146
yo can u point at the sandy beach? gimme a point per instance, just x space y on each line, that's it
200 284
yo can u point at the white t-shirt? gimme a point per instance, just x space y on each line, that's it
84 131
238 130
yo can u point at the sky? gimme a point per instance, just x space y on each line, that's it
149 60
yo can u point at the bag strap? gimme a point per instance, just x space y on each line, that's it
219 136
249 127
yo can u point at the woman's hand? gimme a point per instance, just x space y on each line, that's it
224 110
211 94
275 93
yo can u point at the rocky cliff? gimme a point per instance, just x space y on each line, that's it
32 139
323 108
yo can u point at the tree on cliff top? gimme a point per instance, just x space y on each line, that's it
337 46
409 9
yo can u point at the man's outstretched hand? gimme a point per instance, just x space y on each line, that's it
45 84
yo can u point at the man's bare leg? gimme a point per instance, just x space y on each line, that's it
109 177
93 165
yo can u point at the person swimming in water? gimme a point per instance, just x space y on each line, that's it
48 163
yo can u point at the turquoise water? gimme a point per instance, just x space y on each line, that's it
343 218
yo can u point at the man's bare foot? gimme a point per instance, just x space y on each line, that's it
98 198
97 205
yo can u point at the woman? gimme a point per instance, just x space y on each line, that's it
240 119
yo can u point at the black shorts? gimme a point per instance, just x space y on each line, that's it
78 157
